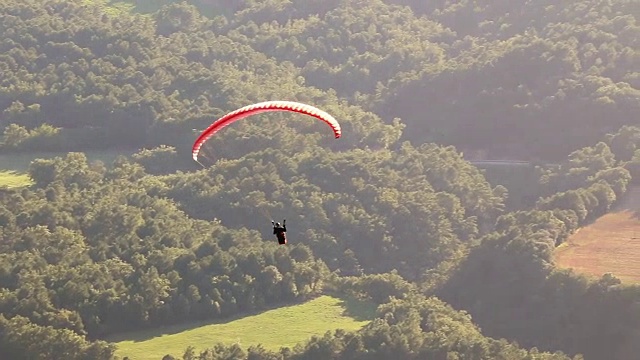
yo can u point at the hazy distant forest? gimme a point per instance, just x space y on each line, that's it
393 212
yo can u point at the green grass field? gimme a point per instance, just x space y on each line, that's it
281 327
112 7
13 179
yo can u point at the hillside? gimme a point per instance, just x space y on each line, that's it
458 257
611 244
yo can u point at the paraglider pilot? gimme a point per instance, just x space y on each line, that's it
280 231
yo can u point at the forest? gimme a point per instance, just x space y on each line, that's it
458 259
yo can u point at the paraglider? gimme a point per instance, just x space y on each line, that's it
257 108
261 107
280 231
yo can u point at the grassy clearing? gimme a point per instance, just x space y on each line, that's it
111 7
282 327
118 7
13 179
609 245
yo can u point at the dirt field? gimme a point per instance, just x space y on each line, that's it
610 244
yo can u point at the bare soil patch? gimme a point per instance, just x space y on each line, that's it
609 245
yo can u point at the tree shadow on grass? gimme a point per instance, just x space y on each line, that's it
359 310
173 329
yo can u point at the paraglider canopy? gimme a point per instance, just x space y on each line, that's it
261 107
